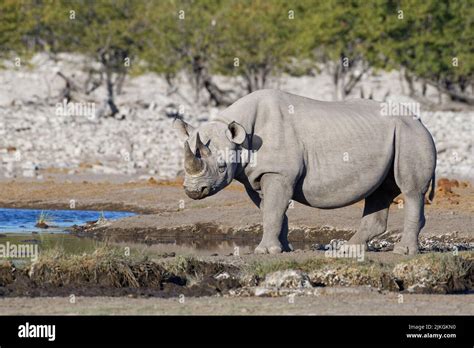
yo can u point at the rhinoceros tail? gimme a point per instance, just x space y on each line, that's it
433 186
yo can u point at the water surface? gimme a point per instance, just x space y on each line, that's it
24 220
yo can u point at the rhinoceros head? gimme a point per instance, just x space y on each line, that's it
207 167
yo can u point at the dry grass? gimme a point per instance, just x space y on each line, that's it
111 268
105 266
6 273
429 273
437 273
332 272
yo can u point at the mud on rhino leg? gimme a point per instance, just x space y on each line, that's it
277 193
375 215
414 221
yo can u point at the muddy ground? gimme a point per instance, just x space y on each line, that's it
172 225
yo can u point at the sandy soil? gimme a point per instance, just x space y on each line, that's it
341 301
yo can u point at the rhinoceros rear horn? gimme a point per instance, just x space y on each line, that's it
204 151
192 164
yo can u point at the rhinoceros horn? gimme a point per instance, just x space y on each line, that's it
192 164
204 151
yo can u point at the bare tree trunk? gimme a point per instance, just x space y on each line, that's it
112 65
196 70
249 79
353 81
249 82
409 80
110 93
70 87
339 75
216 95
256 77
119 81
345 80
337 78
92 82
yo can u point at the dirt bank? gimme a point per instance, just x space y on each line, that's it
110 271
308 283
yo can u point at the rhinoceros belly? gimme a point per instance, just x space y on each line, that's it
346 161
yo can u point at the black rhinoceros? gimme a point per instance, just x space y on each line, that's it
321 154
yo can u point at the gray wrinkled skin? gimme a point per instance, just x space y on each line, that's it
322 154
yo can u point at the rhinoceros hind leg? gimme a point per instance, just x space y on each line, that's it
414 222
414 167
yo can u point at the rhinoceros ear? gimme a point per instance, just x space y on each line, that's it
183 128
236 133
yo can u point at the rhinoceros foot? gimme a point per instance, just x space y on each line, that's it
358 241
405 249
269 248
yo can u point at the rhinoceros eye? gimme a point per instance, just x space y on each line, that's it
222 167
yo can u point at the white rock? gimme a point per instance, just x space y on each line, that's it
287 279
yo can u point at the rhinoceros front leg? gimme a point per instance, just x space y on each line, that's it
276 192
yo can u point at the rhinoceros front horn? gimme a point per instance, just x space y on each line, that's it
192 164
